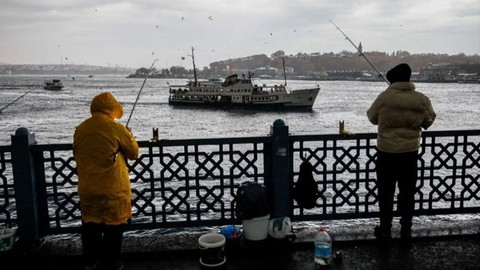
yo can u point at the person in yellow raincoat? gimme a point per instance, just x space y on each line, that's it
100 148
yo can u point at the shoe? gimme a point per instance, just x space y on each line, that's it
118 266
382 235
91 267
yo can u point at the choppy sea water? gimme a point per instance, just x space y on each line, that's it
53 115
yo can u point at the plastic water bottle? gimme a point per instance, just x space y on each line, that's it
323 247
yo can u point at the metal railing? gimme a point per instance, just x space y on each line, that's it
192 183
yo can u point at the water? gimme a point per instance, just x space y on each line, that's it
53 115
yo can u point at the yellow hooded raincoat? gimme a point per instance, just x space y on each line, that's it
100 146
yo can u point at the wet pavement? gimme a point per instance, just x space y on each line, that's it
459 252
441 244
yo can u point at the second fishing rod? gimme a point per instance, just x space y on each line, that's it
359 50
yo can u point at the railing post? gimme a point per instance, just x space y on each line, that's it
25 195
279 185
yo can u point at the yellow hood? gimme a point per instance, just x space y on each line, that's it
107 104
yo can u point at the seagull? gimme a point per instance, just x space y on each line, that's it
210 18
182 18
271 34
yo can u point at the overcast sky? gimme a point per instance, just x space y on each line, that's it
132 33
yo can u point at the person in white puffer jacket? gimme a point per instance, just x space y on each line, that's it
400 113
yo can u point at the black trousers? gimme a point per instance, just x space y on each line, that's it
393 168
101 243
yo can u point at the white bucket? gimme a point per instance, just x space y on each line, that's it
7 238
256 228
212 247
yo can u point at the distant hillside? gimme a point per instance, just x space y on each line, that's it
343 65
62 70
313 65
317 63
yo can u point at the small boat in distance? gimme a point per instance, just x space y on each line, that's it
54 84
243 92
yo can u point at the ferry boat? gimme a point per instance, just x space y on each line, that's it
241 91
54 84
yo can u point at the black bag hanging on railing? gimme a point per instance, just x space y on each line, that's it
305 189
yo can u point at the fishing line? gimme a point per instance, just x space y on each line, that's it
18 98
359 50
138 96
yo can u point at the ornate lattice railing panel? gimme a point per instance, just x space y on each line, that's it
8 213
58 183
449 173
344 170
194 182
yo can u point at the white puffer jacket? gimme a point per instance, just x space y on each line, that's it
400 113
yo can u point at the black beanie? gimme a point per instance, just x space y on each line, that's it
400 73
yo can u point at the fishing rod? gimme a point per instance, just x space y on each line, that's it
18 99
138 96
115 155
361 53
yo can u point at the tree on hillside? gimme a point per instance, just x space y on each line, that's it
278 54
142 71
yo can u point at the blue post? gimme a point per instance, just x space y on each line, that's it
280 170
24 184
